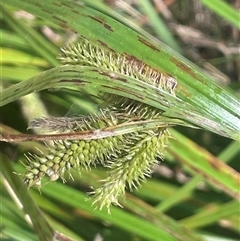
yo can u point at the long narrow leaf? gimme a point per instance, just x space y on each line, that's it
89 78
43 230
202 162
194 88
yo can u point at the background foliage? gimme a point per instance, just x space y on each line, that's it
193 195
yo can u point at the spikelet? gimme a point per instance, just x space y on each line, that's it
132 167
67 154
87 54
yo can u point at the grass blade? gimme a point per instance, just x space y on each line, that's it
194 88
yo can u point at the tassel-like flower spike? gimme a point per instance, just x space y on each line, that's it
128 157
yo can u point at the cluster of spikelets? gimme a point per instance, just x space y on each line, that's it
128 157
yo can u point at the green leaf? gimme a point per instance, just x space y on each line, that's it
202 162
217 110
223 9
135 225
19 191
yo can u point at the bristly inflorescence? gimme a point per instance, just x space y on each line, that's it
87 54
128 157
132 166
